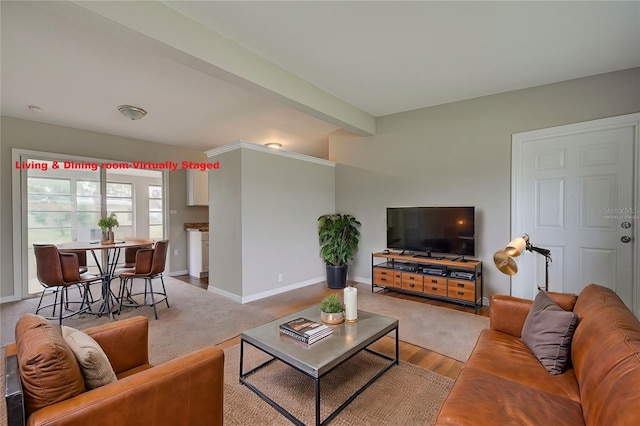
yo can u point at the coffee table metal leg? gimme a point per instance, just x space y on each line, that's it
393 361
317 380
258 392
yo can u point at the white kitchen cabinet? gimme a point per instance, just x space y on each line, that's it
198 243
197 188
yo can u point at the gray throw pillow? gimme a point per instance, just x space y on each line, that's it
548 331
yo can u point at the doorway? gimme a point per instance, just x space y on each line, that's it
575 192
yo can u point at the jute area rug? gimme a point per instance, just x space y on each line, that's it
404 395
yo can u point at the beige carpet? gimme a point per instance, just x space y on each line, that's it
446 331
196 318
404 395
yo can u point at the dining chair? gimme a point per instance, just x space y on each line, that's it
82 262
59 271
130 256
149 264
82 259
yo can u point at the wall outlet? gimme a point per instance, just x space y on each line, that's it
280 277
175 252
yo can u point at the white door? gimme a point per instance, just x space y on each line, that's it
575 192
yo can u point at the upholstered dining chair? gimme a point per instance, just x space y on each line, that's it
82 262
59 271
149 265
130 256
82 259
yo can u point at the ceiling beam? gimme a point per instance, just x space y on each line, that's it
155 26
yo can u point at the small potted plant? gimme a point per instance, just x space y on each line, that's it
332 310
107 224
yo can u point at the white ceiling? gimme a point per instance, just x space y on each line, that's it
379 57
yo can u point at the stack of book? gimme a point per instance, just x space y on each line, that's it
305 330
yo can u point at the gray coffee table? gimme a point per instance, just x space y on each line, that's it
321 357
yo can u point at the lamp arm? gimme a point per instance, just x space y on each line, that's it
539 250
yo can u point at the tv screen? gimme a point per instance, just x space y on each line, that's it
446 230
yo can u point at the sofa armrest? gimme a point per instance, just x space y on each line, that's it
13 394
124 342
184 391
508 314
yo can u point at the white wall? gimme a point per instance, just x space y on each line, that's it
225 224
282 196
460 154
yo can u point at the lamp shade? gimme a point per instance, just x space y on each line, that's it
517 246
505 263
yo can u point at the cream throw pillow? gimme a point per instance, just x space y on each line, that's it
94 364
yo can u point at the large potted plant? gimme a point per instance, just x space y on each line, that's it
339 236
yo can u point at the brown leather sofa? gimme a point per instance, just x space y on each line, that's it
504 384
184 391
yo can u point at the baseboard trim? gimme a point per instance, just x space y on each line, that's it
268 293
224 293
361 280
7 299
175 273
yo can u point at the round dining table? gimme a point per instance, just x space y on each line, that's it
107 265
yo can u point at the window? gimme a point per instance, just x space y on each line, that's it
120 202
60 204
155 212
88 206
49 209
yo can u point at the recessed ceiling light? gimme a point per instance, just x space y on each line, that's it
273 145
132 112
34 109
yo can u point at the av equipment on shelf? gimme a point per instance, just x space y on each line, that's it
405 267
434 271
462 275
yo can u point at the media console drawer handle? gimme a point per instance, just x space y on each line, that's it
460 285
434 288
461 293
412 285
434 281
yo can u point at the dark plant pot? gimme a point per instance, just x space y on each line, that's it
336 276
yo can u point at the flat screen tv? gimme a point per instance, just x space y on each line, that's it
444 230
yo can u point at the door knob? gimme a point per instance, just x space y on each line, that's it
625 239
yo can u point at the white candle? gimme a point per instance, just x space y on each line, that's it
351 303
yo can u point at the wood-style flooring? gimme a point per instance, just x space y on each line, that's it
422 357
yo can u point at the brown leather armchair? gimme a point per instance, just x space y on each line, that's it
184 391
